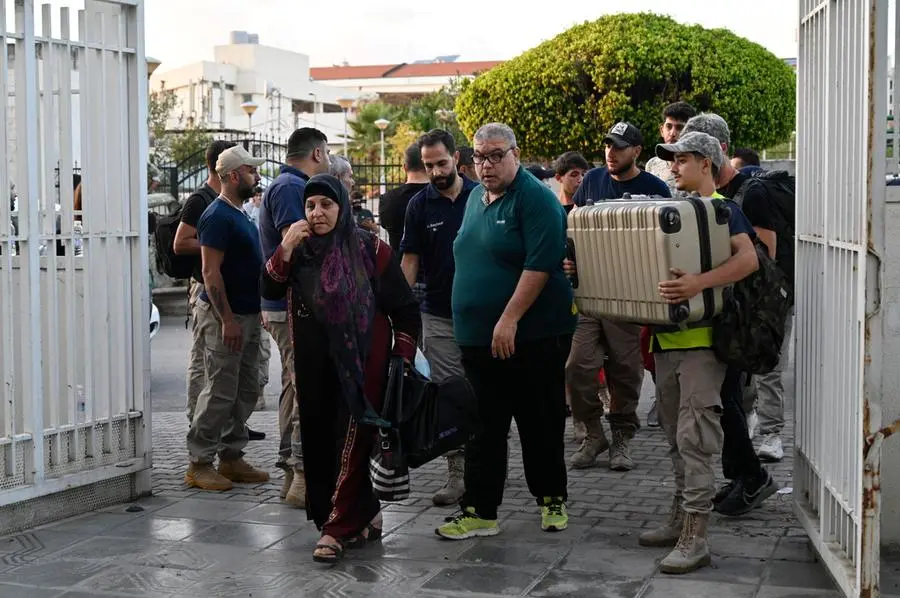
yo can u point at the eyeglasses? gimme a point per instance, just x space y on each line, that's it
493 158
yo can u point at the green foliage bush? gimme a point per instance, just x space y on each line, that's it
567 92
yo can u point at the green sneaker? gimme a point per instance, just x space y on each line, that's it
467 525
554 517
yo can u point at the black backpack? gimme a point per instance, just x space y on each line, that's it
167 261
780 189
749 332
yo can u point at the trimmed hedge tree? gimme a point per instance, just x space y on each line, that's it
566 93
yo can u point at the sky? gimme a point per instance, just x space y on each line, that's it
392 31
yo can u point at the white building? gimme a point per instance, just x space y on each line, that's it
211 93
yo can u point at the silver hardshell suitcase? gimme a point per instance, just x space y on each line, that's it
623 248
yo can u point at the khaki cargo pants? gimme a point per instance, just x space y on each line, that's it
688 386
196 373
619 344
232 387
290 450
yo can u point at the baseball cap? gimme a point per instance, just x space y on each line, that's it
623 135
235 157
694 141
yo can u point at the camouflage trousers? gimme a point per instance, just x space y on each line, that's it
688 386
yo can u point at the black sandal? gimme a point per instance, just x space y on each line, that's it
337 553
360 540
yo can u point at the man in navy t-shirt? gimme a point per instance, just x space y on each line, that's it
624 144
228 318
433 218
597 340
282 205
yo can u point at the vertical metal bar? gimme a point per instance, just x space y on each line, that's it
26 121
7 353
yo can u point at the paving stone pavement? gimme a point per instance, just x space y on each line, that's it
245 544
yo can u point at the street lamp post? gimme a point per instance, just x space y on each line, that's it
315 106
249 107
382 124
346 104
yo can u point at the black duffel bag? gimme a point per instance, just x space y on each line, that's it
435 418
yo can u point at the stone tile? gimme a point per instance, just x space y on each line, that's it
30 546
134 580
668 587
529 530
273 514
488 580
102 548
423 525
92 524
394 520
254 535
773 592
515 554
161 528
149 504
795 549
732 546
193 556
798 575
55 574
303 539
568 584
413 546
26 592
208 510
731 570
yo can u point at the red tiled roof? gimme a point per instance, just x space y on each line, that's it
435 69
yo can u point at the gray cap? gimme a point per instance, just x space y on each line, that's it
690 142
711 124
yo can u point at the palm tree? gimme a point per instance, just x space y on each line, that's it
366 144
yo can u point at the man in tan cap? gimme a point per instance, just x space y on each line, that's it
228 318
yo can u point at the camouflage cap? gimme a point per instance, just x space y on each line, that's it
711 124
693 142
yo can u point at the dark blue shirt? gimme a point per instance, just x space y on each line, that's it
282 205
228 229
432 222
738 222
599 185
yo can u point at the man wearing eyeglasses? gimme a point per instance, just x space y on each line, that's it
513 318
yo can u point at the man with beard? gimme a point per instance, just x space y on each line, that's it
433 218
675 116
228 318
596 340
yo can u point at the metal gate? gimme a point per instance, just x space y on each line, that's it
74 294
842 99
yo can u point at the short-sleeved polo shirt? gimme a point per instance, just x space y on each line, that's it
523 230
432 223
229 229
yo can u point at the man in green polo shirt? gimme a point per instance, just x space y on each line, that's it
513 318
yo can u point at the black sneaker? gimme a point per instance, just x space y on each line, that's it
742 500
254 435
724 491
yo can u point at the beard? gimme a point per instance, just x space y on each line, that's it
623 169
444 182
246 191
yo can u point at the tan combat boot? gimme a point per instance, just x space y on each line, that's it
205 477
288 480
296 494
692 550
619 453
579 430
242 472
593 444
455 486
668 534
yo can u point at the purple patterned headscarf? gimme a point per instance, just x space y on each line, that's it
335 274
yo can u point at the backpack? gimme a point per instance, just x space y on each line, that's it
780 189
749 332
167 261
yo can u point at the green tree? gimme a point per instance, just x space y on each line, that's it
184 147
366 143
404 136
436 111
565 93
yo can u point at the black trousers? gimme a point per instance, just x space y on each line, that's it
530 387
739 460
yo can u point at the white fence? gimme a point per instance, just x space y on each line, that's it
74 353
841 112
